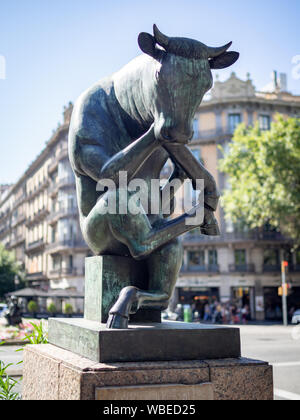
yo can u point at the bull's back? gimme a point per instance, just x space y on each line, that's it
89 122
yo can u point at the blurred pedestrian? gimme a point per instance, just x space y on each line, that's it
207 313
244 314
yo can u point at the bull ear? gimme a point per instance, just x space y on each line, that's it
147 43
224 60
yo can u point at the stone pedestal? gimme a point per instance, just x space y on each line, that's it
145 342
51 373
152 360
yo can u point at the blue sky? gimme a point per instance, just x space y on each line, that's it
55 49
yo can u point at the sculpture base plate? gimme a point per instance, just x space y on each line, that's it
167 341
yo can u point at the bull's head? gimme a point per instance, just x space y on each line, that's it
182 77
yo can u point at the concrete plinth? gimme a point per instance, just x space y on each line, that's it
51 373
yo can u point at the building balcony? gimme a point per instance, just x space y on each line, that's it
37 276
4 230
214 134
65 272
272 268
65 182
62 154
37 217
17 240
295 268
4 215
65 245
38 189
210 268
52 166
62 213
18 220
35 246
20 200
232 237
241 268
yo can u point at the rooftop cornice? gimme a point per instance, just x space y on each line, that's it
249 99
54 139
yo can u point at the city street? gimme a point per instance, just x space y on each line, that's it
276 344
280 346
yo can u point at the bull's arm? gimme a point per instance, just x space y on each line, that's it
183 157
177 175
96 164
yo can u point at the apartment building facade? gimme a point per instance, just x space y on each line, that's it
241 267
39 216
39 220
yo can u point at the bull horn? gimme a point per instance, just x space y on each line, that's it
160 38
215 52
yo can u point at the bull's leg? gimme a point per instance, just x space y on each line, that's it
163 254
163 269
157 243
164 265
136 232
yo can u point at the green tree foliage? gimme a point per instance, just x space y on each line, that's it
9 269
263 169
32 306
51 308
68 309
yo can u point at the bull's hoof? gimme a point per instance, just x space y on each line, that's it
119 313
210 226
117 321
210 230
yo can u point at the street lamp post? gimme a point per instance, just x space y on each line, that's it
284 265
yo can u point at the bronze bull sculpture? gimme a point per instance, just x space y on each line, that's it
133 121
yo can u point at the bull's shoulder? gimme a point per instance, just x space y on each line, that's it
96 126
90 114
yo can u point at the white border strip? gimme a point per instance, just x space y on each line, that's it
286 364
286 395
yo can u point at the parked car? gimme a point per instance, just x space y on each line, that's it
296 317
3 308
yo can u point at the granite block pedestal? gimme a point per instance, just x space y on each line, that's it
150 360
51 373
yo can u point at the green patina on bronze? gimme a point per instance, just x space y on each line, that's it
133 121
106 276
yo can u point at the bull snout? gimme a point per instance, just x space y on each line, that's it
175 134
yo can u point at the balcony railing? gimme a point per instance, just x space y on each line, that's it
68 181
66 244
67 271
62 154
63 212
35 245
214 134
37 217
20 200
37 189
4 215
4 230
271 268
241 268
37 276
210 268
294 268
17 220
236 237
16 240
